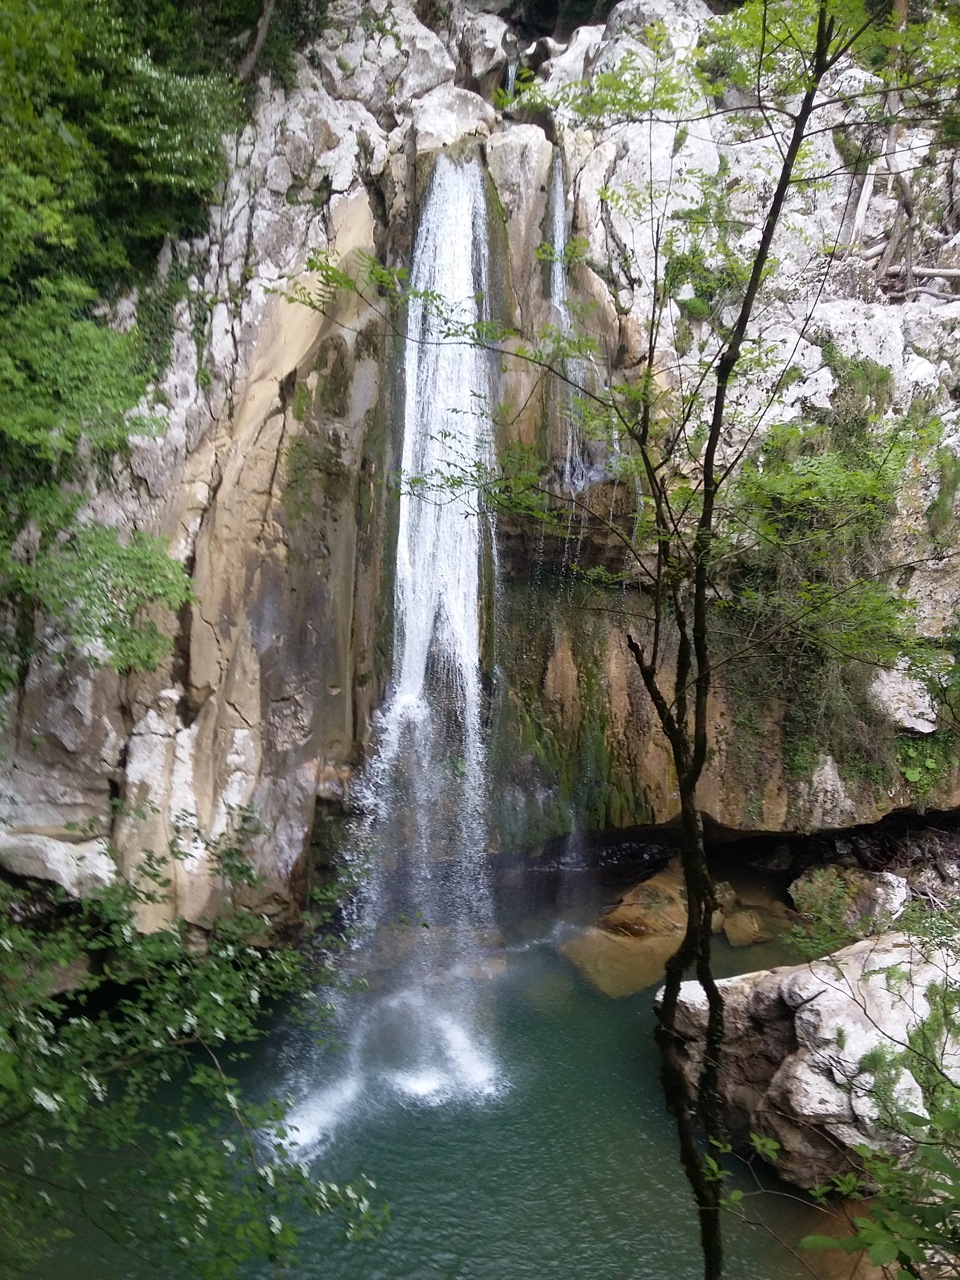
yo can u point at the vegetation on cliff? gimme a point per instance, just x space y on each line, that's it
112 119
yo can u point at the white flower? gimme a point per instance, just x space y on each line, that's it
276 1226
49 1102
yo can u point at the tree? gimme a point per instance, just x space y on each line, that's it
116 1050
103 152
112 119
746 525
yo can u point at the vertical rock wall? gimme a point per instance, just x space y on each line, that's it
272 477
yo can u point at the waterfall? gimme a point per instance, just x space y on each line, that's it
419 1035
435 706
576 468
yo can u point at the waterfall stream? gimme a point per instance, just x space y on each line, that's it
576 469
425 912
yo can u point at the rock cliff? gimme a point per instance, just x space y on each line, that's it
272 477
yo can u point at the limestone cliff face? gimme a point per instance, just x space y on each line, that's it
272 476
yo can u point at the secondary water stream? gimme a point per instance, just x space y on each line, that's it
576 467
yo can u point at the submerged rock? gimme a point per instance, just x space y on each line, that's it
628 949
620 964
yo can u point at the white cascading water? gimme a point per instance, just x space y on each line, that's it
419 1035
575 467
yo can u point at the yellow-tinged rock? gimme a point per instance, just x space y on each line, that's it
656 906
620 964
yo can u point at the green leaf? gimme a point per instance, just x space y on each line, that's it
821 1242
883 1251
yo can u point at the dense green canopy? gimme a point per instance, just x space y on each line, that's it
111 124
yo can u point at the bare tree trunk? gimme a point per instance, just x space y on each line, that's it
249 59
863 206
688 733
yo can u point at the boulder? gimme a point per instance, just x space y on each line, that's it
656 907
905 700
620 964
744 928
382 56
483 53
816 1055
682 19
80 867
447 114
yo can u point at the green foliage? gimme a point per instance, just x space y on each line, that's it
97 1020
68 385
717 276
855 153
939 513
926 762
824 900
98 585
912 1185
110 139
104 149
193 37
914 1216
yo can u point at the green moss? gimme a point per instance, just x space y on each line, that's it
333 391
864 392
301 401
925 763
940 512
369 342
315 476
697 309
854 152
683 336
156 318
555 769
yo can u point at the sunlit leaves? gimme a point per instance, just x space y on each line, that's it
196 1170
102 151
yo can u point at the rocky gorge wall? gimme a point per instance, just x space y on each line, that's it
272 477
